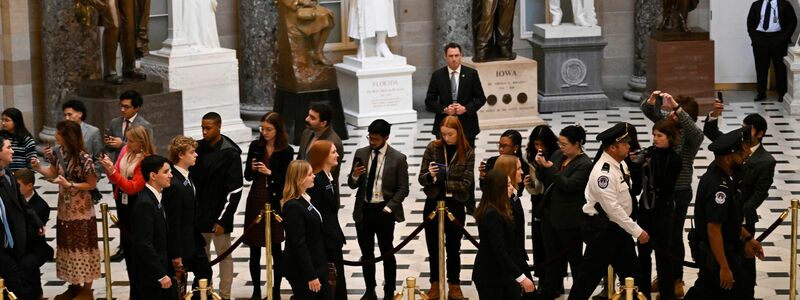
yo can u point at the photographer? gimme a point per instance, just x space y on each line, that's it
660 168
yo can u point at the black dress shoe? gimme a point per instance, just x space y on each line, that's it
780 98
134 75
370 295
388 295
760 97
117 257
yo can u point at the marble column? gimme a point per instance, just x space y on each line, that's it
453 24
71 54
258 57
646 14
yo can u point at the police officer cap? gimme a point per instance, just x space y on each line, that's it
618 133
730 142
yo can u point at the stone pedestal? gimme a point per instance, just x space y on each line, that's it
209 80
791 101
376 88
293 107
160 105
570 69
510 88
682 64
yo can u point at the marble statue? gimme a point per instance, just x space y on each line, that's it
371 22
199 23
125 24
676 13
493 29
583 12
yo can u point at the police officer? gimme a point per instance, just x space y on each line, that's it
722 240
610 229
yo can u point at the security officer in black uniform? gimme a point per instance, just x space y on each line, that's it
609 230
722 241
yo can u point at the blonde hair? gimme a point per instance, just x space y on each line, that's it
142 135
179 145
508 164
295 176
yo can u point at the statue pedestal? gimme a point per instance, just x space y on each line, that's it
571 67
209 79
510 88
160 105
376 88
682 66
791 101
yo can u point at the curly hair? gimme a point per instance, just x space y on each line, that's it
179 145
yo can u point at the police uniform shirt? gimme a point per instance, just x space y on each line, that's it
717 202
608 187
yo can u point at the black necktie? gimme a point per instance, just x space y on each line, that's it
767 15
373 169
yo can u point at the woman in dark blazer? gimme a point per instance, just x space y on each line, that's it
496 273
447 173
323 158
304 263
542 139
267 160
565 178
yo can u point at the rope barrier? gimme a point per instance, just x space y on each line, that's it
239 241
396 248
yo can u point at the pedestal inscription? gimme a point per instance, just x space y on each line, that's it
376 88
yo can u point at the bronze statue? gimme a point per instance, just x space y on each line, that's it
492 22
127 25
676 13
303 29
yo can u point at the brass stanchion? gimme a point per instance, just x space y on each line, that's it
441 210
3 288
411 286
793 259
610 282
630 290
204 290
268 243
106 250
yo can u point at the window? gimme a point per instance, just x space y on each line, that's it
531 12
338 40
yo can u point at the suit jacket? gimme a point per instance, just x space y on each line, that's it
115 130
304 255
759 170
786 17
329 135
326 199
183 238
394 182
470 95
150 259
495 263
563 202
40 207
460 177
217 175
93 142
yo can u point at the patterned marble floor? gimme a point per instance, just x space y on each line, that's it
773 273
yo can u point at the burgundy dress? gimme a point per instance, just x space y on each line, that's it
265 188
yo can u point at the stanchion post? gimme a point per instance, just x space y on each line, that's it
441 210
793 259
268 243
610 282
629 286
203 285
3 287
411 287
106 250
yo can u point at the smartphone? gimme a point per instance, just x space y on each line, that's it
659 101
441 166
719 96
357 162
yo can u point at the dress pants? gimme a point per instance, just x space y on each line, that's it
491 13
508 291
613 246
658 223
221 244
453 237
128 32
300 289
200 267
558 242
378 223
682 200
537 242
707 284
770 48
157 293
748 283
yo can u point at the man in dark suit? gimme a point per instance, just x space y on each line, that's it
379 202
456 90
770 25
219 180
756 180
130 102
152 269
185 244
25 180
23 248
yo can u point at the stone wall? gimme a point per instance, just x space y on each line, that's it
17 70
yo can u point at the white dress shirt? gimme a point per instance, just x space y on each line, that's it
774 22
612 192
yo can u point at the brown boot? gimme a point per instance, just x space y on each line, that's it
454 292
85 294
679 293
433 293
69 294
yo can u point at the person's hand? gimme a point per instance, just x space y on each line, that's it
107 164
42 230
450 110
542 161
718 108
218 230
260 167
482 168
459 109
644 238
48 151
632 155
669 101
165 282
314 285
61 181
753 249
359 170
527 180
726 278
35 163
113 142
527 285
510 190
652 99
433 169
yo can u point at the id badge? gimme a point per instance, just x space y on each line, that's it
124 199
